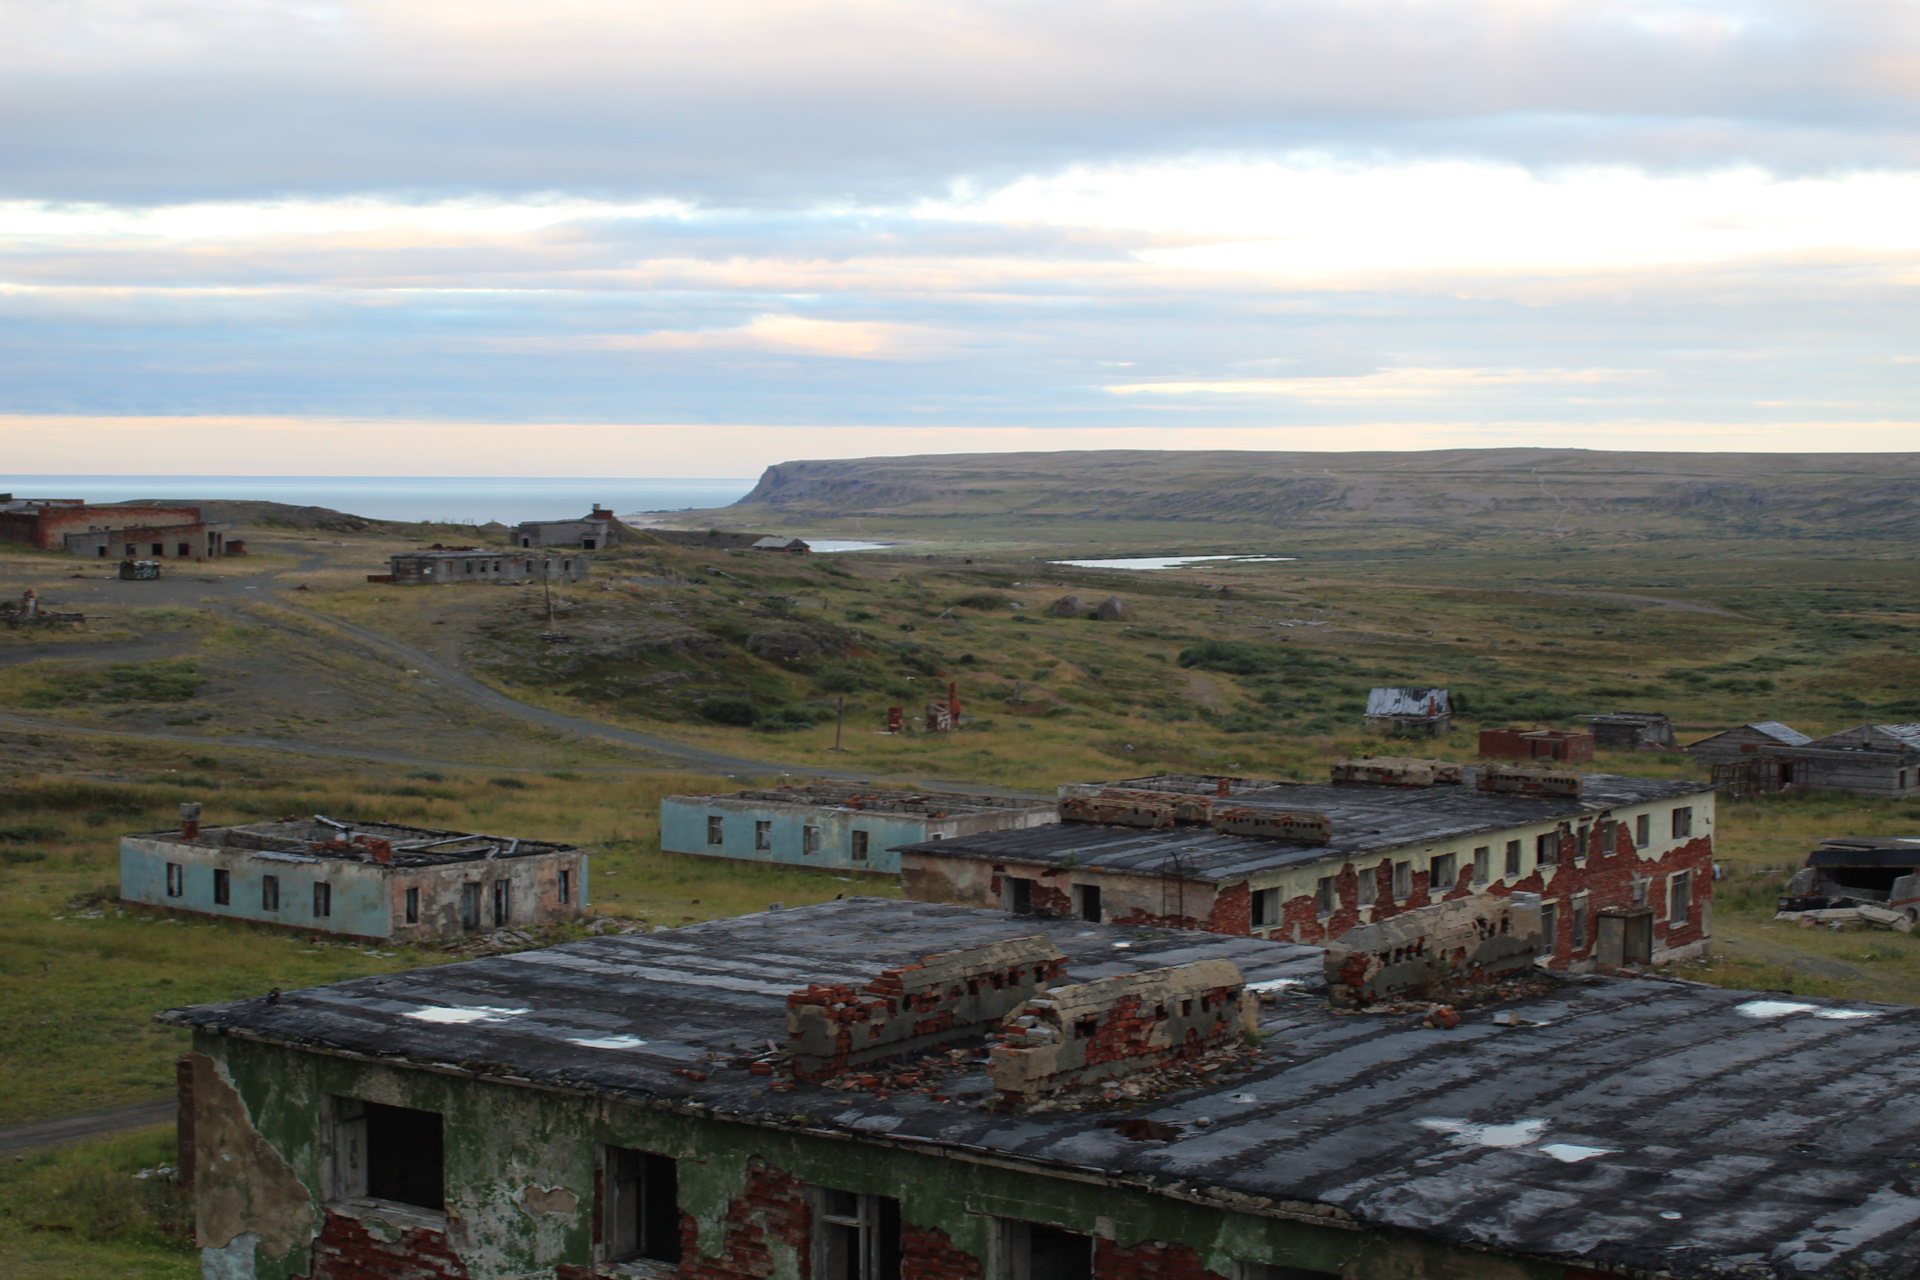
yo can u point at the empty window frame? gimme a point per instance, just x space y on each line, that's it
1546 848
1263 908
159 549
1483 864
1326 895
1549 928
1580 922
1682 821
1086 902
809 839
502 902
1369 885
470 905
859 846
1036 1251
413 906
269 893
716 830
176 880
222 887
855 1237
1402 881
388 1153
564 886
1019 895
641 1216
1442 873
322 900
1679 899
184 549
1513 860
762 836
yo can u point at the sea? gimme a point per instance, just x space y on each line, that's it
448 499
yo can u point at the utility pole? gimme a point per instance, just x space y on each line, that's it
546 582
839 718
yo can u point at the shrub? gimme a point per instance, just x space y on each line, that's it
1236 657
26 832
15 857
841 679
509 784
428 775
729 709
983 600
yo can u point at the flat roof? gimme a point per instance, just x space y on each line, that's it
308 838
827 795
1366 819
1663 1126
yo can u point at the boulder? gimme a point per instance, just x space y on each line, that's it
1067 607
1111 607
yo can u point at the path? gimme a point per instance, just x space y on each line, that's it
52 1133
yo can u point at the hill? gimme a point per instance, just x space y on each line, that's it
1477 492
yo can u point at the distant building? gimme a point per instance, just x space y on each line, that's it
478 564
1632 730
118 531
1566 746
849 828
372 880
1412 711
1308 862
1746 740
595 531
792 546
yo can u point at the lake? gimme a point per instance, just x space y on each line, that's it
1171 562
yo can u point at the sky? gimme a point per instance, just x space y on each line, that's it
579 237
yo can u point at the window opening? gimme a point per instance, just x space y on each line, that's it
413 906
1326 898
222 886
1442 873
322 899
1087 902
1682 821
1679 899
470 905
1513 859
762 836
716 830
855 1237
176 880
1263 908
1020 895
809 839
269 893
1369 885
860 846
1546 848
1549 928
1580 923
566 887
1482 864
1035 1251
642 1205
502 902
389 1153
1402 881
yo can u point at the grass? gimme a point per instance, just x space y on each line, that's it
85 1210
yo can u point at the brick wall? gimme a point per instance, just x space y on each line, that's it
55 523
927 1253
346 1250
1148 1260
773 1211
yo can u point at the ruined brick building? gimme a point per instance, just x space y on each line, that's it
116 531
1306 863
871 1090
376 881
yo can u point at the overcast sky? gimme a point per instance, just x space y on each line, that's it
582 237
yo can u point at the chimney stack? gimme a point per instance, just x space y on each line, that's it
190 819
380 850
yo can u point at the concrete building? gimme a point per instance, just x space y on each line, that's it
438 565
1306 863
674 1104
376 881
847 827
595 531
1632 730
118 531
1859 871
1413 712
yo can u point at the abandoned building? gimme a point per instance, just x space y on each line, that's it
1424 713
1308 862
1859 872
377 881
438 565
117 531
1632 730
791 546
1871 760
849 827
595 531
872 1090
1566 746
1745 741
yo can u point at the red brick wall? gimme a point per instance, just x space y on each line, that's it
1149 1260
345 1250
773 1209
927 1253
56 523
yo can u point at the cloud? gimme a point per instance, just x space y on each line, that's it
775 334
1388 384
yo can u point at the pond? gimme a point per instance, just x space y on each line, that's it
828 545
1171 562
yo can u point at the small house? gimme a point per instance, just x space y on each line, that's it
595 531
791 546
1632 731
1415 712
1746 740
1565 745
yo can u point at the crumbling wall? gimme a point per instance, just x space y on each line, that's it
1396 771
1513 780
905 1010
1155 813
351 1249
1079 1035
1274 824
1418 952
244 1184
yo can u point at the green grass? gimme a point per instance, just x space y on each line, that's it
82 1210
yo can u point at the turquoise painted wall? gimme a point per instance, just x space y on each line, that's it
683 829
